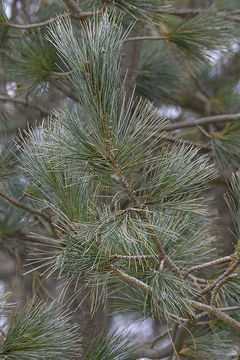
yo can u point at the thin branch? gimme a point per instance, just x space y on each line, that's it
29 209
36 25
130 279
82 15
62 74
75 10
64 91
42 110
205 133
189 142
203 121
198 279
132 257
186 12
208 264
141 38
230 269
215 311
10 56
230 308
160 337
221 283
134 200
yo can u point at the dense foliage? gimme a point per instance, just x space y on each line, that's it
108 195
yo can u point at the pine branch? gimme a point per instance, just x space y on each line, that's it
134 200
130 279
132 257
203 121
220 283
208 264
29 209
218 313
80 16
206 147
197 305
39 108
230 269
143 38
75 10
33 26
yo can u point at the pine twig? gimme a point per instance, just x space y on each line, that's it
220 283
130 279
132 257
208 264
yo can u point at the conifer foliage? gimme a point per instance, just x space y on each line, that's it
120 202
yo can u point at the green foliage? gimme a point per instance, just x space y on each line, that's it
143 10
211 346
193 41
158 79
110 347
111 144
35 60
168 297
226 146
128 207
8 161
175 178
40 331
233 201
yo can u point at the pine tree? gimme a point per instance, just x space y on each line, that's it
108 196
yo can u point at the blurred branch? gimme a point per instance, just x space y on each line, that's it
189 142
141 38
203 121
79 16
64 91
32 26
29 209
61 74
193 12
42 110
